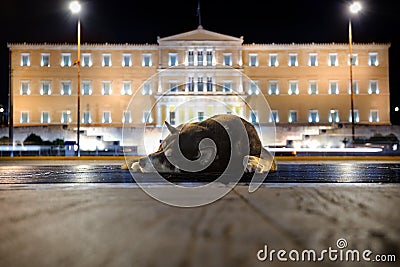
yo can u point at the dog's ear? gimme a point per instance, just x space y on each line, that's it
207 154
171 128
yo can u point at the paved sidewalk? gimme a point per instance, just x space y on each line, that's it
119 225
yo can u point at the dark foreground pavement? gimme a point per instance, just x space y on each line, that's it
119 225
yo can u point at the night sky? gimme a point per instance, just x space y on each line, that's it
129 21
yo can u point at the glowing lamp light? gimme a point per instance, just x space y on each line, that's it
75 7
355 7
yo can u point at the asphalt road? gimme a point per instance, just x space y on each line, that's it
91 213
31 172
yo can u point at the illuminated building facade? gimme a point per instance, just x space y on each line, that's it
305 85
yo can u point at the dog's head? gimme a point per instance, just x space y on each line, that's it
185 144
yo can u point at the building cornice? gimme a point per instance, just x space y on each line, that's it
84 46
129 46
287 46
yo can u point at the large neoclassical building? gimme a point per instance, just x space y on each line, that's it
303 89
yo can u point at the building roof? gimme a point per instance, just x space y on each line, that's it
200 34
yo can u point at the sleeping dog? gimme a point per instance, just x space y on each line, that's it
210 146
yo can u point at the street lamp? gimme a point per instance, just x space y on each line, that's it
2 115
75 8
355 7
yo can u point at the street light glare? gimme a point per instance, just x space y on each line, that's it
75 7
355 7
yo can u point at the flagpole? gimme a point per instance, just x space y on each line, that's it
198 12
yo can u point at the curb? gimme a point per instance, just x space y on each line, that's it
277 158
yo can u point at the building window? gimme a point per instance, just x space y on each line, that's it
86 88
293 61
333 60
25 60
209 58
354 60
66 88
312 88
66 116
292 116
106 117
200 116
25 88
356 116
190 84
254 116
191 58
45 88
86 117
45 117
253 88
24 117
146 90
172 119
373 87
334 115
333 88
126 60
146 60
273 88
106 62
45 61
147 117
86 60
209 84
126 117
374 116
313 60
313 116
173 59
274 116
200 84
227 59
126 88
227 86
273 60
106 90
373 59
355 88
253 60
200 58
66 60
293 88
173 86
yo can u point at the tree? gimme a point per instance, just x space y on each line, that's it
33 139
4 140
58 142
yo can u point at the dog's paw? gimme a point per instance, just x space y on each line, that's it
135 167
124 166
253 164
132 166
258 165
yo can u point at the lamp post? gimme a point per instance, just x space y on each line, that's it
2 120
75 8
355 7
